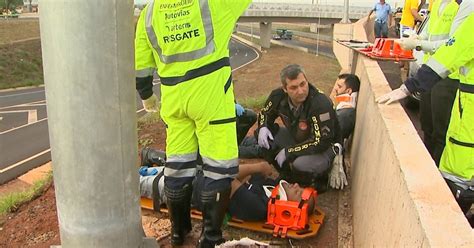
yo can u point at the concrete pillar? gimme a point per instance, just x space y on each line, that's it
265 34
345 18
88 60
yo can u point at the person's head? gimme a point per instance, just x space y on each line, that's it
294 83
346 84
294 192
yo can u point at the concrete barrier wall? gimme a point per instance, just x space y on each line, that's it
399 198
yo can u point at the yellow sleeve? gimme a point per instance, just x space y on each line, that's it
238 6
414 4
144 59
456 52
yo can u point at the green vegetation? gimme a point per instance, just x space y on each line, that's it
10 4
13 201
149 118
255 103
21 64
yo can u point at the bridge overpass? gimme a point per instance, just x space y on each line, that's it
316 14
311 13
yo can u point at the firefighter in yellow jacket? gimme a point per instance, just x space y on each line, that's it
457 160
187 41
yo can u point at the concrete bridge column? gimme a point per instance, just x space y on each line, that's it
265 34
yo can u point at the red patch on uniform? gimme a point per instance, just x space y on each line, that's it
302 125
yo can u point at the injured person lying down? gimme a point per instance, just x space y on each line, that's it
250 193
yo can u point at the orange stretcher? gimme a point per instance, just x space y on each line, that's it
382 49
314 223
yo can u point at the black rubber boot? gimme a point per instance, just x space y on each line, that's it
178 203
150 157
214 207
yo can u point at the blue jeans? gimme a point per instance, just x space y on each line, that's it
381 29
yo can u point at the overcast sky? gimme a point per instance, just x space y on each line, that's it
365 3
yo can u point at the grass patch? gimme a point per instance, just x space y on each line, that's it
13 201
253 102
149 118
21 64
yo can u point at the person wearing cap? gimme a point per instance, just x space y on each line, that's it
302 149
251 189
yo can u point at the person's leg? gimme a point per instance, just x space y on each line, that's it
249 148
346 118
180 168
315 166
377 30
464 197
244 123
426 121
442 100
384 30
216 132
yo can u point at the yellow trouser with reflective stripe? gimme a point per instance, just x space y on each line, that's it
200 113
458 155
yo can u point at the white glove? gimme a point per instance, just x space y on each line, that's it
337 176
394 96
263 135
409 43
281 157
151 103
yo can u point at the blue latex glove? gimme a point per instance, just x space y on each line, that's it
263 135
281 157
147 171
239 110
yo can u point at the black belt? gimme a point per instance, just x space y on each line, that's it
460 143
468 88
195 73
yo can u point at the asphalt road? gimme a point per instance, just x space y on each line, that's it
24 139
324 48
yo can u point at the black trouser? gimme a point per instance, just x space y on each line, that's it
435 113
244 123
304 168
464 197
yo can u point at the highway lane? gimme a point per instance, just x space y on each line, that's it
324 48
24 139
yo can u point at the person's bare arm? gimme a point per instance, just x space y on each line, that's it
246 170
415 14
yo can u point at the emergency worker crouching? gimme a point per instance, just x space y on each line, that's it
187 42
302 150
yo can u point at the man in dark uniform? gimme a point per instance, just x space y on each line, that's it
302 149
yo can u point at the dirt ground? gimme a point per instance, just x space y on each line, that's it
35 224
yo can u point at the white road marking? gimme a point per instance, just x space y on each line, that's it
13 129
19 94
24 160
32 116
37 103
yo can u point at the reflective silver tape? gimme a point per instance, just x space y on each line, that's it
182 158
221 163
217 176
180 173
144 72
436 37
187 56
439 68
